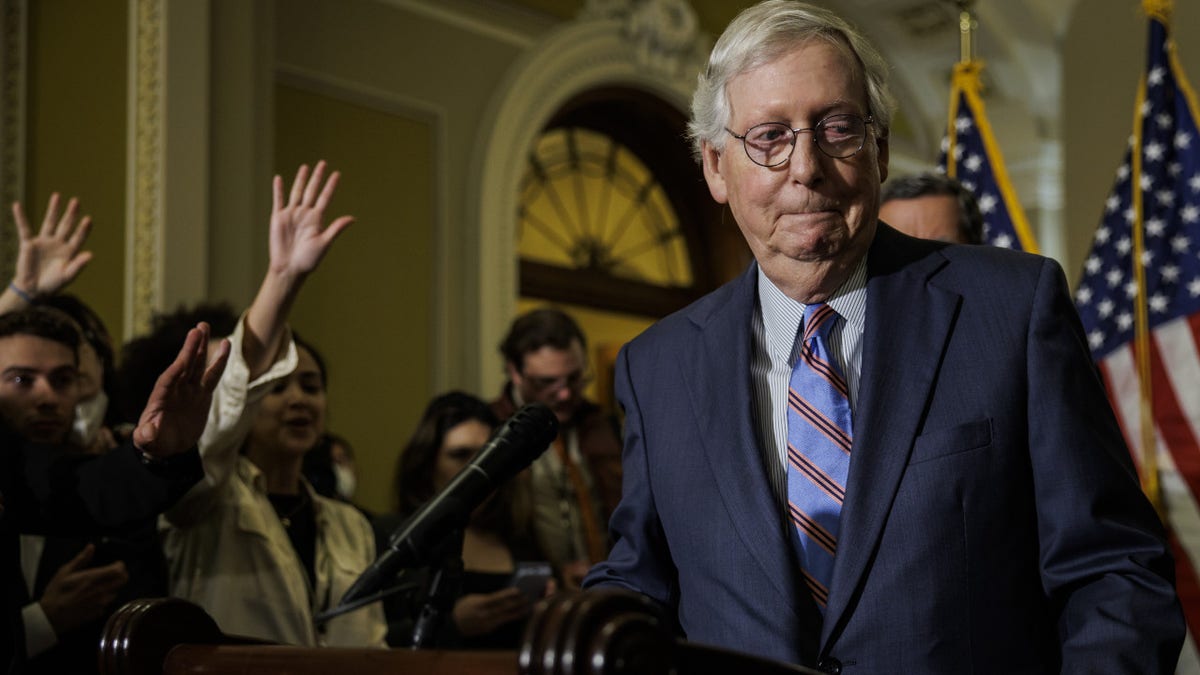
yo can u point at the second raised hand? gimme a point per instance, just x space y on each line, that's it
298 240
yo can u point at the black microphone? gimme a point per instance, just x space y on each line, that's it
524 437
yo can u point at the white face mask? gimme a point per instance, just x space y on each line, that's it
344 481
89 418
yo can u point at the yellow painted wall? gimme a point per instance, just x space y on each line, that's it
76 133
367 308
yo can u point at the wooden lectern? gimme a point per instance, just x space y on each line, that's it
605 632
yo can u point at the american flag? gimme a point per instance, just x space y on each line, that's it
1163 161
978 164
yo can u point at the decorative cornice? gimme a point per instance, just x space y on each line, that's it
665 34
12 124
145 246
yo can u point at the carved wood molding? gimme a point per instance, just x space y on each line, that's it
143 273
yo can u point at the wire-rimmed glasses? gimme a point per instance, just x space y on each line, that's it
771 143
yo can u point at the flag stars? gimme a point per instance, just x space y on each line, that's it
1124 245
1114 277
1123 173
963 124
1003 241
1193 287
1153 151
1179 243
1131 289
1147 258
1174 168
1130 215
1112 203
1146 109
1159 303
958 153
1194 182
1164 197
1170 273
1096 339
1183 140
1084 295
1105 308
1093 264
1146 182
1156 75
1125 321
1163 120
1190 213
1156 226
973 163
1102 234
987 204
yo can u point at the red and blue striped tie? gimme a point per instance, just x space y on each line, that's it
819 435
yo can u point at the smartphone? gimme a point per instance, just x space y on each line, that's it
111 549
531 579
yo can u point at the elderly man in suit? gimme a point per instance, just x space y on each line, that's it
872 453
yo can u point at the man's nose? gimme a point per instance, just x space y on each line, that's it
807 161
44 393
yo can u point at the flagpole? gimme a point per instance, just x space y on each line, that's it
1154 9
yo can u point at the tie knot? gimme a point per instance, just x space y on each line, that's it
818 320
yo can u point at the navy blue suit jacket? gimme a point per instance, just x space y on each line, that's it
992 522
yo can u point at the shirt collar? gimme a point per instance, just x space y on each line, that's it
782 315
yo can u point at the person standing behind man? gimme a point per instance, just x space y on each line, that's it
573 487
870 453
932 206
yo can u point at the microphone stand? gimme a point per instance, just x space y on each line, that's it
444 586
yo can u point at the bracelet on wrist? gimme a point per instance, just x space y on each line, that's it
20 293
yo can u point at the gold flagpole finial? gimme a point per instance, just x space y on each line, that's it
966 31
1159 9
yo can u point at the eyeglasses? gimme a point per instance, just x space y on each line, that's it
574 381
772 143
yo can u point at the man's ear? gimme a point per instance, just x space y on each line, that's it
713 167
514 375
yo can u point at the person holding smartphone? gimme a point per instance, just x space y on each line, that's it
503 572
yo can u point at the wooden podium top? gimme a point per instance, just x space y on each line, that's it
604 632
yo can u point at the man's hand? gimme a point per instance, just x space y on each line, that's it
298 241
479 613
177 410
51 260
77 594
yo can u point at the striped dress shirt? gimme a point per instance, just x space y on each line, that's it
775 348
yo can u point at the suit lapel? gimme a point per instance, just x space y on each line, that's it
723 409
908 321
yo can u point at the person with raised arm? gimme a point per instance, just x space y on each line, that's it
254 544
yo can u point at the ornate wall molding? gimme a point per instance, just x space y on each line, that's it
613 43
13 47
143 272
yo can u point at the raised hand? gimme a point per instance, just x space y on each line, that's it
177 410
298 240
52 259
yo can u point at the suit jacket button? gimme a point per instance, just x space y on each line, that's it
830 665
